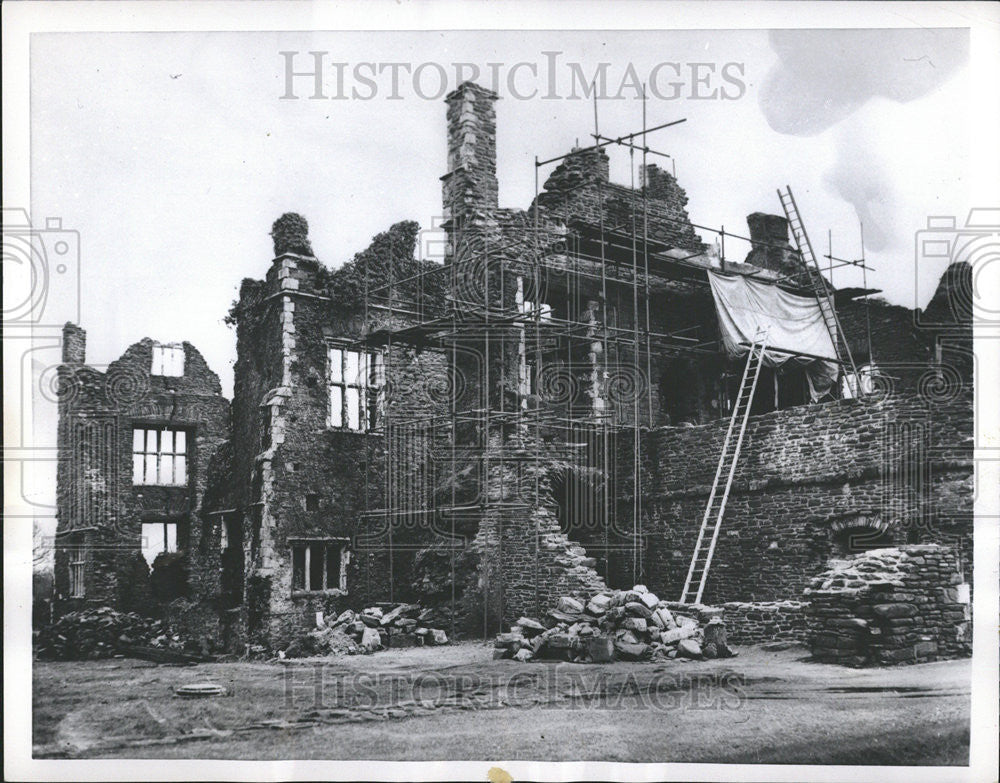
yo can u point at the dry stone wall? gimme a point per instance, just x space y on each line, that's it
890 606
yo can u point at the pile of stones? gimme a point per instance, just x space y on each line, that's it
890 606
628 625
102 632
370 630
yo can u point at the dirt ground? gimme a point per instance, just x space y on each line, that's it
455 702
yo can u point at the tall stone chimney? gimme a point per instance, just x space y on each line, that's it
74 344
470 186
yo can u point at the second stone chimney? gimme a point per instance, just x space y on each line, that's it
770 248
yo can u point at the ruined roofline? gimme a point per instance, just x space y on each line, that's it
196 370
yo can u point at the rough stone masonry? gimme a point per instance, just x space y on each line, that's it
321 488
888 606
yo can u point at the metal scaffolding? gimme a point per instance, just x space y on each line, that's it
546 350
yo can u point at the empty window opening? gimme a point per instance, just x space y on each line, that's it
158 537
231 557
77 564
860 539
355 383
159 456
319 565
312 502
778 388
230 534
792 387
168 360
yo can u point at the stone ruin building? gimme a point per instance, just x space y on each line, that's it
541 414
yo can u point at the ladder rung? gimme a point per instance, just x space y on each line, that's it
715 509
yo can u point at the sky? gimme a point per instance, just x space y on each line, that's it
171 154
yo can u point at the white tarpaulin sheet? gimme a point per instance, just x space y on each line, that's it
795 326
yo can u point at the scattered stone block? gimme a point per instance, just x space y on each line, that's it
508 640
346 616
600 649
438 636
529 627
599 604
675 635
569 605
403 640
371 640
561 641
632 652
689 648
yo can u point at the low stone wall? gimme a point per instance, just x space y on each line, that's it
890 606
766 621
754 622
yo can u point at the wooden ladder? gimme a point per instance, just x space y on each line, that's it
822 292
704 548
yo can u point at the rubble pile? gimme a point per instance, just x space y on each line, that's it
103 633
628 625
372 629
890 606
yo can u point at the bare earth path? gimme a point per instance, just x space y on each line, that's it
455 702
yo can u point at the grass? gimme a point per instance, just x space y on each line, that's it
762 707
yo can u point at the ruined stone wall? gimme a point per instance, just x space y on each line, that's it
579 189
98 506
890 606
528 558
527 562
766 621
800 471
900 351
298 478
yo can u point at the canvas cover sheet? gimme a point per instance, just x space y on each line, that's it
794 323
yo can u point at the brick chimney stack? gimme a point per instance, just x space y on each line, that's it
470 186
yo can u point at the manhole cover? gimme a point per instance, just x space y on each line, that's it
200 690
